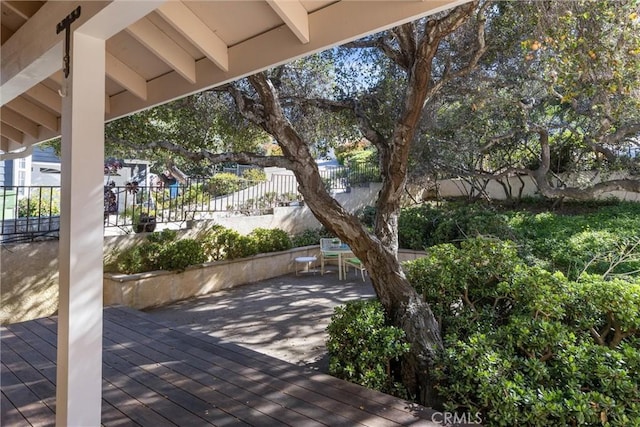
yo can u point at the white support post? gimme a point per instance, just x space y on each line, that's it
79 373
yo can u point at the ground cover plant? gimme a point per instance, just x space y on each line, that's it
539 313
595 237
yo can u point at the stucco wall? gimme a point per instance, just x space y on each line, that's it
28 281
29 272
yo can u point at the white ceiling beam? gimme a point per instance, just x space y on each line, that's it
47 97
117 16
10 132
191 27
34 52
126 77
275 47
37 114
293 13
7 145
19 122
24 9
165 48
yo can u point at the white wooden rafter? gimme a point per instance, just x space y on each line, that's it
38 114
164 48
19 122
187 23
126 77
294 15
47 97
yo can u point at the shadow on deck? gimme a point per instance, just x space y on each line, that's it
158 375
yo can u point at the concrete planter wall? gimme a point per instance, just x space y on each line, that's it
157 288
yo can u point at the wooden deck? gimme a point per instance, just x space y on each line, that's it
157 375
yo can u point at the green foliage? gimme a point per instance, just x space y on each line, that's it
424 225
362 346
224 183
307 238
180 254
137 259
163 237
40 201
597 242
159 251
460 279
361 149
607 310
601 240
254 175
468 221
195 194
367 217
417 225
270 240
528 347
222 243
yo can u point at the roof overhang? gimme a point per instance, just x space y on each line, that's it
158 50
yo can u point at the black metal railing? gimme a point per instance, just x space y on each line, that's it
33 213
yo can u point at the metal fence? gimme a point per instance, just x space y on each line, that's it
32 213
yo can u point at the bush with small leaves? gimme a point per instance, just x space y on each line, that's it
224 183
363 347
270 240
223 243
180 254
254 175
525 346
308 237
136 259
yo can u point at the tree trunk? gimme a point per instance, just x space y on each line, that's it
407 310
404 306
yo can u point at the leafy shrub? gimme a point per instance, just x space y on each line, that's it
362 346
224 183
306 238
195 194
347 151
40 202
255 175
222 243
528 347
459 279
416 226
573 243
180 254
137 259
163 237
367 216
270 240
160 251
468 221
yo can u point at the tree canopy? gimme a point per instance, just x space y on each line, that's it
484 88
557 92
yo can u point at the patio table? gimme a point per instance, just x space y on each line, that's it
341 250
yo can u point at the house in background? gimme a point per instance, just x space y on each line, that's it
41 168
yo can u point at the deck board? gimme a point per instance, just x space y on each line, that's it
155 374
